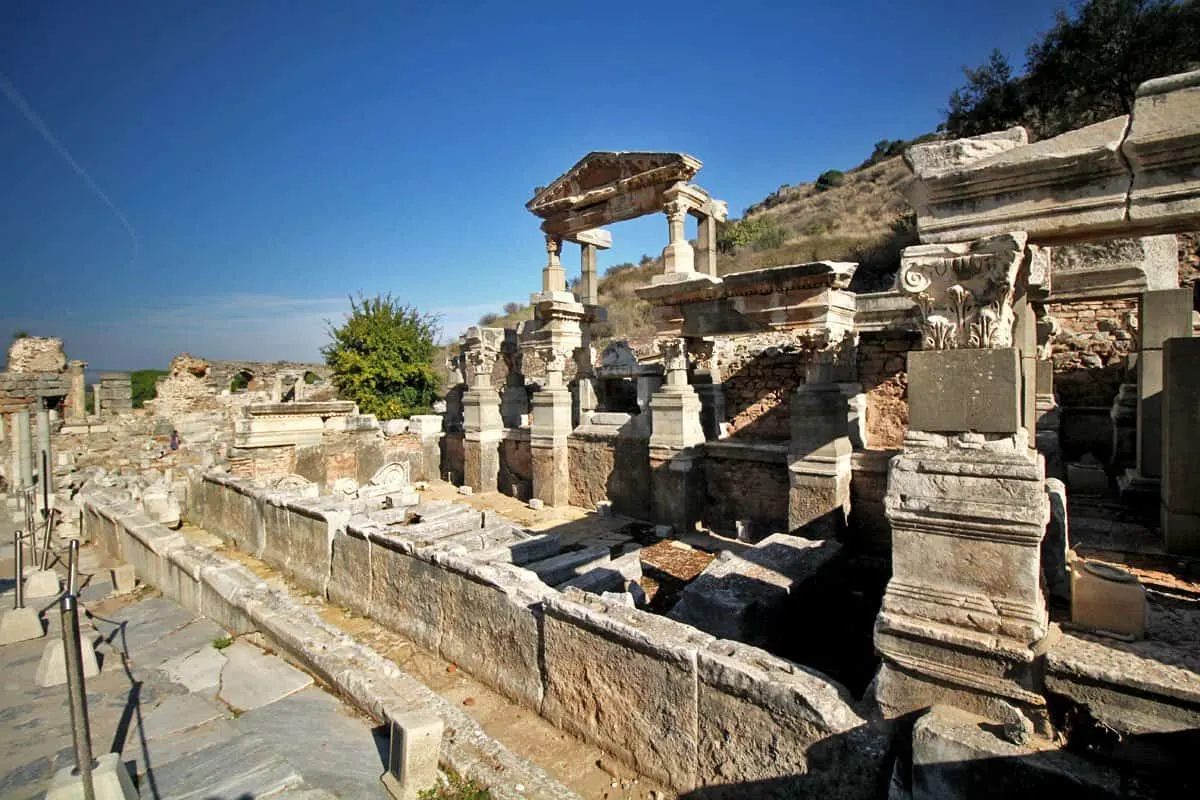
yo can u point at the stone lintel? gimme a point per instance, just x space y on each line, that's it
596 237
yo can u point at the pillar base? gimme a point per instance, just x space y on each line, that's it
481 461
110 781
20 625
677 487
964 617
551 471
818 500
675 420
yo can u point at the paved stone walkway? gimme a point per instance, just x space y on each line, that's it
192 719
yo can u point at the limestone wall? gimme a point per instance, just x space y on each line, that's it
339 455
660 695
20 389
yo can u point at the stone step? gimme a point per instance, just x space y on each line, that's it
610 577
563 567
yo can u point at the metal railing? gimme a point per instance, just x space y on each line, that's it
76 688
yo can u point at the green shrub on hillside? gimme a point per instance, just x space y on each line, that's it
759 233
829 179
143 384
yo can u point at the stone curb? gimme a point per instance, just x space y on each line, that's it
233 596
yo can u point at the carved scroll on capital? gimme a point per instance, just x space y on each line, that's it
965 289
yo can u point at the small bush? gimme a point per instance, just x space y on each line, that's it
457 788
488 319
222 642
830 179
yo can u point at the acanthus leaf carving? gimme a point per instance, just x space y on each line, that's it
965 290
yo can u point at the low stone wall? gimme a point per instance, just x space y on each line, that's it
673 702
229 594
746 482
339 455
610 467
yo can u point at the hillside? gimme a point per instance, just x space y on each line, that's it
860 215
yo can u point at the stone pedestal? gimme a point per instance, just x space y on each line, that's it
23 448
551 425
1180 508
964 617
1162 315
819 461
77 402
676 468
484 429
428 428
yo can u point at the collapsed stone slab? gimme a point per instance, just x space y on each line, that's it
736 595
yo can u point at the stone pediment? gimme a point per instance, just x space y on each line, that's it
602 175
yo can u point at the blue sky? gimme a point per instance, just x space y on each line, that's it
247 165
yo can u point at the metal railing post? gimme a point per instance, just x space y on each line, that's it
80 728
18 568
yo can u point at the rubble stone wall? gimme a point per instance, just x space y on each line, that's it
21 389
36 354
1091 352
760 372
883 374
667 699
516 467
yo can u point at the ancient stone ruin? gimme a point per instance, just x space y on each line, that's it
937 541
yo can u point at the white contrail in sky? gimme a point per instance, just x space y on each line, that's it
19 103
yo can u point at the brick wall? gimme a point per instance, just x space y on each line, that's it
883 373
262 463
1091 352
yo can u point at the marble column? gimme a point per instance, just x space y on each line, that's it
550 426
23 444
1164 314
96 400
964 615
588 291
77 410
706 244
554 277
676 464
482 424
678 256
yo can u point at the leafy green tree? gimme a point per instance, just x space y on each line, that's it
1085 69
990 101
143 385
382 356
